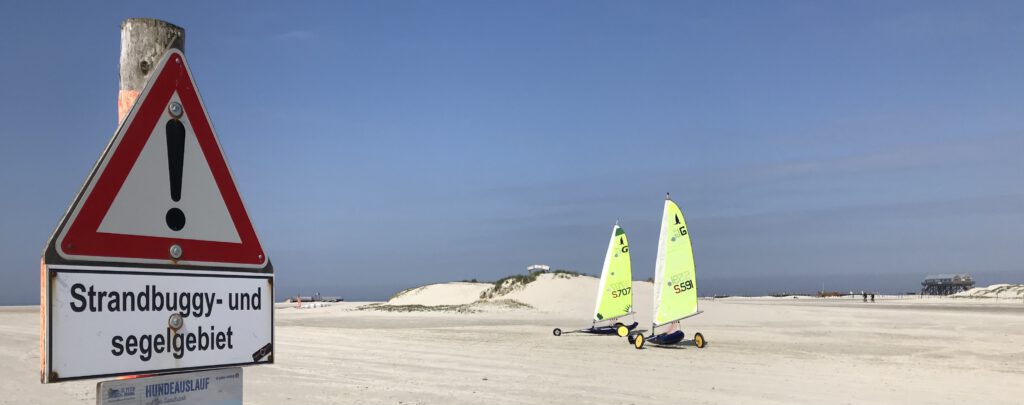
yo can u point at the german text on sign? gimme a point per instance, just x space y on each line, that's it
109 323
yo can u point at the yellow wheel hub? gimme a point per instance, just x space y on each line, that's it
622 331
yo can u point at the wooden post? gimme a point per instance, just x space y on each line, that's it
143 42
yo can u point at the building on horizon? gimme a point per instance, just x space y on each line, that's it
946 284
538 268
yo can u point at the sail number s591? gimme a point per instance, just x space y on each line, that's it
621 292
684 286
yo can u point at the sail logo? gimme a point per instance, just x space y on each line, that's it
681 231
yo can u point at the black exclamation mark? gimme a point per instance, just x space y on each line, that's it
175 160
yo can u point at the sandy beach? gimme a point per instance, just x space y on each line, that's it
761 350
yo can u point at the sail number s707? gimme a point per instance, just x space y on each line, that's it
622 292
686 285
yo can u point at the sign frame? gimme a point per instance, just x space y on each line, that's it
52 377
56 260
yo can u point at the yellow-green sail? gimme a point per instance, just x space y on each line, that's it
615 292
675 282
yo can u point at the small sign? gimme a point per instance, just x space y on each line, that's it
211 387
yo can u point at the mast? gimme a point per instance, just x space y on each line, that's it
659 265
604 273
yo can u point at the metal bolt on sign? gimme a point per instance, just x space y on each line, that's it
175 322
175 109
176 251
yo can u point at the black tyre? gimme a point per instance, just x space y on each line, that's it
621 330
557 332
698 340
631 338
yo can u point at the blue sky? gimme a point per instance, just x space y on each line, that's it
381 145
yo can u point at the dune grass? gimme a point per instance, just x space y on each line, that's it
472 308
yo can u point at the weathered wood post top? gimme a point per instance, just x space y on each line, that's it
143 42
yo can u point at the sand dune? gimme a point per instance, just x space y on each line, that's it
571 296
560 294
1000 291
455 293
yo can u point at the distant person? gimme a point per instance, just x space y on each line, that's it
865 296
872 297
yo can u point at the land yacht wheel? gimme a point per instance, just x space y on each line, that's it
698 340
557 332
621 330
638 341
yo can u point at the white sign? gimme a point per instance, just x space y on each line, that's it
212 387
113 321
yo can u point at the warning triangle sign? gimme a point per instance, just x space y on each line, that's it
162 192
